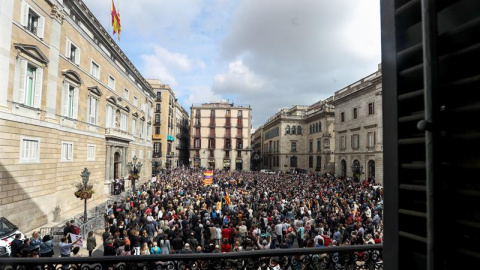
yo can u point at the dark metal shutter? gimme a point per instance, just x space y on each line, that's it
431 91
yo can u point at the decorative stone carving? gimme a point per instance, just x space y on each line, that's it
57 14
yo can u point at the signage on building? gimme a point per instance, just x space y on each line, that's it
170 138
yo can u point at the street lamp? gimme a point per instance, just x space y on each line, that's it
84 191
134 169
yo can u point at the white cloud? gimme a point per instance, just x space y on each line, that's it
163 64
237 79
201 94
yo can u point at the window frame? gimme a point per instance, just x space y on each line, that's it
24 20
21 158
371 108
70 154
89 114
90 157
92 64
109 79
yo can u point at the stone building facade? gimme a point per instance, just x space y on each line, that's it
220 136
359 129
181 143
69 99
301 137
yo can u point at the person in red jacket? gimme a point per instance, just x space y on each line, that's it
226 247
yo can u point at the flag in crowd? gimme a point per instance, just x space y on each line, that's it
226 197
208 178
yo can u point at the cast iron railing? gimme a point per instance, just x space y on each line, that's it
344 257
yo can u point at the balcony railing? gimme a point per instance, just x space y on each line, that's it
344 257
351 257
118 134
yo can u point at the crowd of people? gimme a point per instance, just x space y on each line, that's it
243 211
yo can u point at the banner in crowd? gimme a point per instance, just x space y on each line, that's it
208 178
74 238
226 197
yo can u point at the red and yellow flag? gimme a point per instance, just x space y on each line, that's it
116 21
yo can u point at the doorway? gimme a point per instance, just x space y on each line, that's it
116 166
371 169
344 168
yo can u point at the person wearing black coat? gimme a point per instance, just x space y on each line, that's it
16 244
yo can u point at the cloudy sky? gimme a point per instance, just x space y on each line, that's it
266 53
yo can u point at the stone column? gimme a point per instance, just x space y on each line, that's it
54 56
124 165
107 165
112 163
6 17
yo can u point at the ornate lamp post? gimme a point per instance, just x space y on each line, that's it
134 169
84 191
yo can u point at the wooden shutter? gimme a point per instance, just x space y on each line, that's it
38 88
24 13
76 93
77 56
66 87
68 48
41 26
430 52
108 120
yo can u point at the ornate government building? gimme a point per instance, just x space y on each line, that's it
69 99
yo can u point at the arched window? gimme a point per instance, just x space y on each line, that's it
293 161
299 130
316 127
294 130
287 130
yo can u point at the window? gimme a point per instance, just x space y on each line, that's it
140 153
197 143
371 108
240 113
311 129
319 144
31 20
142 124
355 113
310 146
319 163
134 127
239 144
157 130
92 110
159 96
355 141
123 122
228 113
91 149
319 127
133 153
67 151
149 132
144 106
29 150
158 107
370 139
294 130
212 113
29 86
125 94
135 101
94 69
111 82
310 161
343 143
157 147
157 118
72 52
211 143
287 130
70 100
299 130
293 161
197 113
110 117
293 146
342 117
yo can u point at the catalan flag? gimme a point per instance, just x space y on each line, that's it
116 21
226 197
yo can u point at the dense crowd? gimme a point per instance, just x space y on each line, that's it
240 211
243 211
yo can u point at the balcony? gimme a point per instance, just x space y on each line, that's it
335 257
157 155
239 147
239 136
227 135
118 134
156 124
227 147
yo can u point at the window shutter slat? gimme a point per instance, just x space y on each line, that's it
66 87
22 82
24 13
76 92
41 27
68 48
77 56
38 88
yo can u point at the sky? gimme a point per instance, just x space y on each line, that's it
269 54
